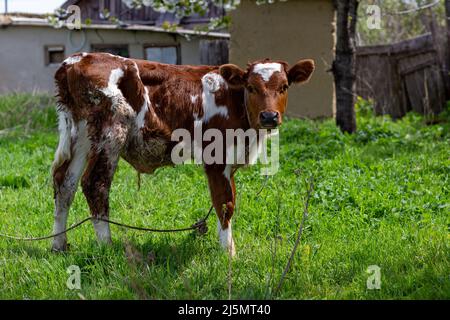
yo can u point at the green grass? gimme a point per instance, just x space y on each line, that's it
381 198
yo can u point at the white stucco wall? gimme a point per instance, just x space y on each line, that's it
22 55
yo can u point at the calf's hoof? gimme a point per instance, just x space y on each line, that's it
102 231
105 242
60 245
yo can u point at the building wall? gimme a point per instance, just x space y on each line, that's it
290 31
22 55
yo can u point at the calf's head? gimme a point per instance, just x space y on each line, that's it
266 84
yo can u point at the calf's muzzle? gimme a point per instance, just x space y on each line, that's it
269 119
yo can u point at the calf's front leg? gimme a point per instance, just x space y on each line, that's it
222 188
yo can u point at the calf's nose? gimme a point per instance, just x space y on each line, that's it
269 118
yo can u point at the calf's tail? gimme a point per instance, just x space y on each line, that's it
65 119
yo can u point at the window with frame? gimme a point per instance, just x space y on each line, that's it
54 54
164 54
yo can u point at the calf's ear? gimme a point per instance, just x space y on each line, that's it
233 75
301 71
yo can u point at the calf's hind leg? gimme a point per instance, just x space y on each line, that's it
97 179
67 170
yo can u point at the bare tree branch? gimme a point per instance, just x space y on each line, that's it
299 234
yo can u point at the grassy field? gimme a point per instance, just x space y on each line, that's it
382 197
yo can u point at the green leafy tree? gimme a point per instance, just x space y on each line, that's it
400 20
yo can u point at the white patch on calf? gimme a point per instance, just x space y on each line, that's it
72 60
63 153
136 69
140 119
227 172
225 235
81 148
226 238
112 90
116 56
266 70
194 98
211 83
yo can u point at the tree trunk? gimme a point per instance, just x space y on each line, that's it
440 43
344 64
447 11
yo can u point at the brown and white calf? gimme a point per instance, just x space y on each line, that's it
111 107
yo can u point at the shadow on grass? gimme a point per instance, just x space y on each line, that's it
16 248
181 250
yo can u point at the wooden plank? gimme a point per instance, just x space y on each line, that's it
409 46
411 63
436 87
418 66
425 90
415 91
406 46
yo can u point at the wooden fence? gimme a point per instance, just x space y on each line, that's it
402 77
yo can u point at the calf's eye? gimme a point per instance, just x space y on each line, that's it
250 89
284 88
